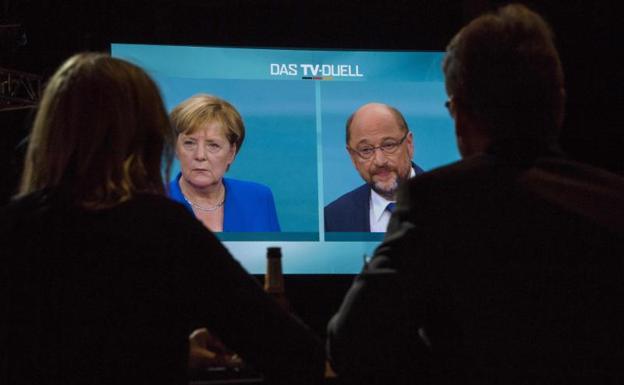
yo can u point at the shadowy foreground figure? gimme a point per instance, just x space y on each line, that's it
507 266
103 277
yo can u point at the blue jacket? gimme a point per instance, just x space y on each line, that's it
350 212
248 207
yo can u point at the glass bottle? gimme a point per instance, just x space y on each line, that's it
274 279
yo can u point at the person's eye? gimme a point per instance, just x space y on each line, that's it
188 143
389 146
366 150
213 147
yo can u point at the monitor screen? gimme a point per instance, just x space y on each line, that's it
295 104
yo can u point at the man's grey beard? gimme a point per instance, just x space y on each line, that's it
389 192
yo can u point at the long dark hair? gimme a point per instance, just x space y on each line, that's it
101 133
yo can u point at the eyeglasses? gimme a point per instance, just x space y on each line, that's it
388 147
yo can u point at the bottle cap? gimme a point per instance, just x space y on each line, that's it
274 252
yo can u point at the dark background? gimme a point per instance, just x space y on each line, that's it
51 30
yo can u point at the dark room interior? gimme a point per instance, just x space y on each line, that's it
38 35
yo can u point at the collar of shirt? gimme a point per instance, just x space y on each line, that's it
379 216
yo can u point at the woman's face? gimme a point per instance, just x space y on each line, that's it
205 155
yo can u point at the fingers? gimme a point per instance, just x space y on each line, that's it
206 350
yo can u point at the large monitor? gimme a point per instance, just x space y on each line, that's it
295 103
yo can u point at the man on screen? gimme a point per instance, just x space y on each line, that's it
504 267
381 149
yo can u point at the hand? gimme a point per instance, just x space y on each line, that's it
329 371
207 350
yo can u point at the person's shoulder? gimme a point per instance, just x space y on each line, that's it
463 182
18 208
238 186
417 169
457 172
174 181
156 214
352 198
36 204
148 200
584 189
173 189
573 169
156 207
18 203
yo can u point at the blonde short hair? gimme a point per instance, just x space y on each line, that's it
192 113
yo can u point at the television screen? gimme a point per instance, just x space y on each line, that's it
295 103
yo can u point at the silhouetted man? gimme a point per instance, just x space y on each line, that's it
507 266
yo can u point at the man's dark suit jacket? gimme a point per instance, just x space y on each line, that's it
350 212
493 271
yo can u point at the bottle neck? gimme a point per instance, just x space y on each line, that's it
274 280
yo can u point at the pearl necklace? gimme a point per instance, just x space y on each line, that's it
202 208
205 209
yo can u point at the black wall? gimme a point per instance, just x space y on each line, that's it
587 36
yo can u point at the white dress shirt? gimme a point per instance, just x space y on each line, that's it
378 215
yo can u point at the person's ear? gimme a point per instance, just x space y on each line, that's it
460 123
352 156
232 154
464 130
471 132
410 145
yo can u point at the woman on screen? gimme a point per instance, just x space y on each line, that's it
103 276
209 133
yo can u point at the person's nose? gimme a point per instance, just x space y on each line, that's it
379 158
200 153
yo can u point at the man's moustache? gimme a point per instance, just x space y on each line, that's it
383 168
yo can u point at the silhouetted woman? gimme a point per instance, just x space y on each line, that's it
105 276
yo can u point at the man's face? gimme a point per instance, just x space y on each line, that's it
374 125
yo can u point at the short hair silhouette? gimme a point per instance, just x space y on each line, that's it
504 68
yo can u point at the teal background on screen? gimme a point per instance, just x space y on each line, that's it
278 150
422 105
295 138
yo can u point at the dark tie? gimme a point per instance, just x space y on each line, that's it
391 207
